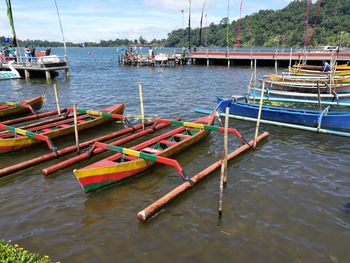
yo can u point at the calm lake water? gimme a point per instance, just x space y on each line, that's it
288 201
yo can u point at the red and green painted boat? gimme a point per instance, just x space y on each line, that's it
10 142
20 107
120 166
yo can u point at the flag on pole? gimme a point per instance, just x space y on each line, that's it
9 14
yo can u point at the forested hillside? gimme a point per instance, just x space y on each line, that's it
269 28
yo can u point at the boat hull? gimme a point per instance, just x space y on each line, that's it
84 122
309 78
317 72
306 87
332 120
107 172
36 103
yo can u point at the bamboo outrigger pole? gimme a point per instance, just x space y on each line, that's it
161 202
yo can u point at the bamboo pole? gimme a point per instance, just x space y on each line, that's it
56 98
223 177
226 144
161 202
76 127
254 79
250 85
32 117
259 114
141 105
319 97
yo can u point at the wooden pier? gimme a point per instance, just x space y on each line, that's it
282 57
35 69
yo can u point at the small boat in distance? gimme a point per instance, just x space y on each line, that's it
118 167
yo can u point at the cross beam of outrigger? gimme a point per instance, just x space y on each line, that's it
167 121
19 105
142 155
30 134
203 127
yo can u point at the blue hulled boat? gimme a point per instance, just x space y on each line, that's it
311 118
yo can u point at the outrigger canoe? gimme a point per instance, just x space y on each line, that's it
20 107
10 142
315 67
325 119
309 78
318 72
306 87
117 167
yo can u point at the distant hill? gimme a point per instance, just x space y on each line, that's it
269 28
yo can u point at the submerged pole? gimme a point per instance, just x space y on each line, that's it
141 105
56 98
164 200
259 114
223 177
76 127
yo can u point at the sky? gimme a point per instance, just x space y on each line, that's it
95 20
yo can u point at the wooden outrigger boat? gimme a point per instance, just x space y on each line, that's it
306 87
309 78
318 72
315 67
326 118
119 167
323 97
20 107
25 136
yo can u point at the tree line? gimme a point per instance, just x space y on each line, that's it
266 28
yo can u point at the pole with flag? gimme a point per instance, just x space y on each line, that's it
238 41
183 27
12 24
201 23
189 25
227 26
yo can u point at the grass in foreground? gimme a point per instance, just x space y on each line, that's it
10 253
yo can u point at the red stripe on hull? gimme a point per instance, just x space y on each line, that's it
114 177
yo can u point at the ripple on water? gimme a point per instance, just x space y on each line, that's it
286 200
